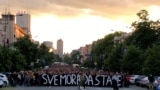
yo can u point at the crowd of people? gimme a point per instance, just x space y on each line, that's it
34 78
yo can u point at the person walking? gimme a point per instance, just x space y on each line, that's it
81 84
115 79
151 80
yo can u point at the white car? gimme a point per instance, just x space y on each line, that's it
4 78
1 83
133 78
144 81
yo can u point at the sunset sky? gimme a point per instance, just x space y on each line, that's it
79 22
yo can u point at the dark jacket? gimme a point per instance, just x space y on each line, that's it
151 78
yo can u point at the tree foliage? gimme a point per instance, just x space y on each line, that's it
11 60
102 49
67 59
143 40
44 55
75 57
145 33
113 62
152 60
27 48
132 60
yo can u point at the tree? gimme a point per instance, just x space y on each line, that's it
46 57
132 60
88 63
143 15
18 61
75 56
11 60
28 49
5 58
152 60
145 31
113 62
67 59
102 49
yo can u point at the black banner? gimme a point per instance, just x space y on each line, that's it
73 79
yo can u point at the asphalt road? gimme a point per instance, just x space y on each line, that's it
68 88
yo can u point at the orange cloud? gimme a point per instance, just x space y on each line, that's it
70 8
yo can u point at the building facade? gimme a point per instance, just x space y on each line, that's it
85 52
60 48
23 20
48 44
9 31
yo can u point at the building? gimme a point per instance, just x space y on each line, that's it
9 30
85 52
36 42
23 20
60 48
121 38
48 44
19 32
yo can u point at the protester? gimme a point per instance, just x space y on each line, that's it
27 79
115 79
151 80
14 78
126 80
65 73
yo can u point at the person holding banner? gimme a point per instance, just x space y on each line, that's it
81 84
115 79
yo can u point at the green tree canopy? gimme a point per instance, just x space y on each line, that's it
27 48
152 60
11 60
145 31
113 62
132 61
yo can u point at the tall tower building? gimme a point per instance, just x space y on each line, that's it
7 28
9 31
60 47
23 20
48 44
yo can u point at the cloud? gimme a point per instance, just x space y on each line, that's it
111 9
100 16
71 8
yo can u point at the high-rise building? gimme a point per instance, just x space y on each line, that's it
9 30
85 52
48 44
60 48
23 20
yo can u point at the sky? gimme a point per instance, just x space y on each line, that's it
79 22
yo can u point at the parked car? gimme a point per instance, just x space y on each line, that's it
137 80
133 78
155 81
144 82
1 83
4 78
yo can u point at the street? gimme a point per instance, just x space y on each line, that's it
67 88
